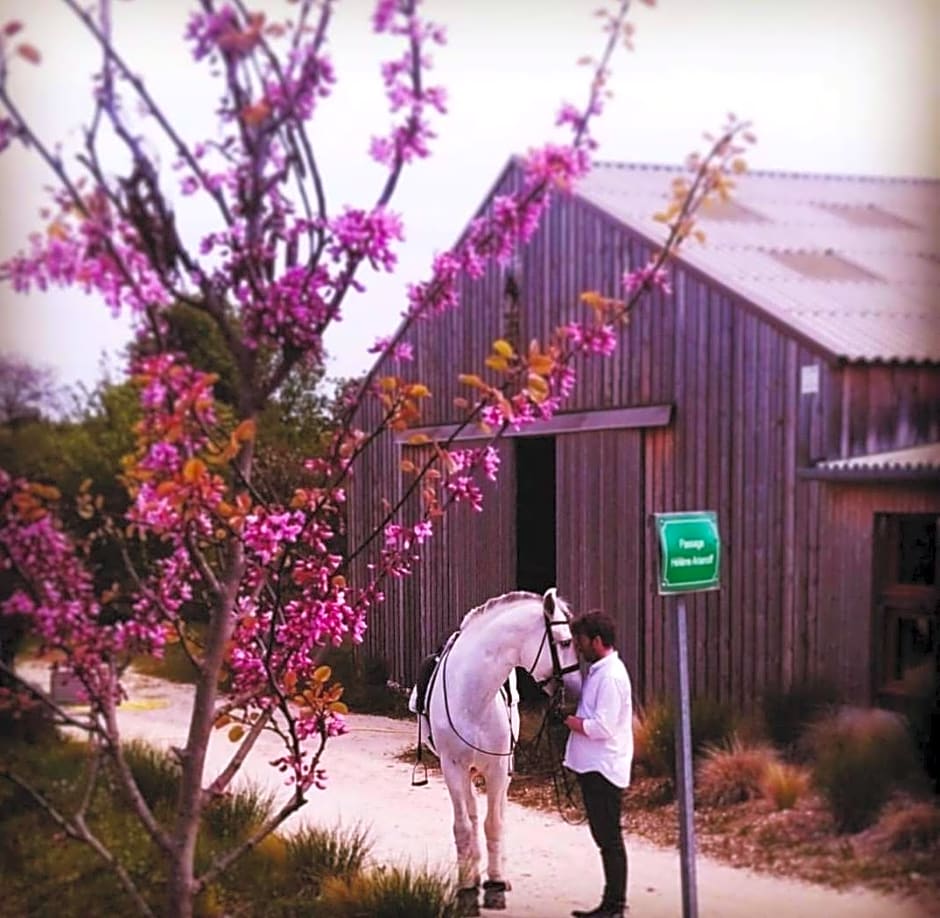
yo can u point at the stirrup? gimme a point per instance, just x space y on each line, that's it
419 779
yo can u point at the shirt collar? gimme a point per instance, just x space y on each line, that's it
603 661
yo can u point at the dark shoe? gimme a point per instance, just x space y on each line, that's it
602 911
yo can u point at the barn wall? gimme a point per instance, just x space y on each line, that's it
741 428
845 638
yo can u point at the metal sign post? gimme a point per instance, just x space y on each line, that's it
690 555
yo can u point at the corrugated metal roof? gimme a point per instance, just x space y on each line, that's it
927 455
850 264
915 462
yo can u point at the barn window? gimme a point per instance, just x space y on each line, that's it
907 630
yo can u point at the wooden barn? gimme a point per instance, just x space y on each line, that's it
791 383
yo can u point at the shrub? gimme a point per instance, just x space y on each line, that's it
784 784
654 741
788 712
915 827
234 815
156 773
389 893
315 853
732 773
859 756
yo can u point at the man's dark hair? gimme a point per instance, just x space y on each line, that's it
595 624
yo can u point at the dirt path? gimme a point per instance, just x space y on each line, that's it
553 866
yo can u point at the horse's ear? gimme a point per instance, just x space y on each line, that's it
548 602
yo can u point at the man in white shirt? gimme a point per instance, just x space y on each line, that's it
600 752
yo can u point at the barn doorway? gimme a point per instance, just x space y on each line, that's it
535 513
907 624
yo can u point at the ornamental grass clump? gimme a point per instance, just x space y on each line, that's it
732 773
389 892
915 827
654 733
317 852
784 784
156 773
859 756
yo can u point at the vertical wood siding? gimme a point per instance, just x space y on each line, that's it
741 430
846 639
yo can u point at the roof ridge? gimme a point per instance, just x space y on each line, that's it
782 173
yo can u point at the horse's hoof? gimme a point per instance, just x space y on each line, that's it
494 894
467 901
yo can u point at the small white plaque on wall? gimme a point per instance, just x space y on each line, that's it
809 379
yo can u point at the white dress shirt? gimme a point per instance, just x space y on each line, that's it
606 709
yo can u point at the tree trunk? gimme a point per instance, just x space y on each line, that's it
179 900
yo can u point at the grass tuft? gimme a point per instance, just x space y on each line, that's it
784 785
389 893
732 773
915 827
859 756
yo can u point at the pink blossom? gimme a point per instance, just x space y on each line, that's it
361 234
647 276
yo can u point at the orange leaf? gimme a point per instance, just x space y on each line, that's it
418 440
471 379
193 470
338 707
502 347
245 431
236 733
322 674
256 114
542 364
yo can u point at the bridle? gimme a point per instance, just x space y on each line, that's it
557 676
548 637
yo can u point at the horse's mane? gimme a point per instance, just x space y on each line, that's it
500 603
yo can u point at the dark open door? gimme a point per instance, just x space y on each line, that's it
907 607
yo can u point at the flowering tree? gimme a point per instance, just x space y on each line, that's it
202 528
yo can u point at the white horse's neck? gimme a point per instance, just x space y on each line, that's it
484 656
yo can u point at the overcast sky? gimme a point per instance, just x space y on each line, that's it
847 86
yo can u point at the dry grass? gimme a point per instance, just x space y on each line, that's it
784 785
732 773
859 756
911 827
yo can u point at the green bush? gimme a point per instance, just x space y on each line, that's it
712 724
233 816
858 757
392 892
156 773
315 853
787 712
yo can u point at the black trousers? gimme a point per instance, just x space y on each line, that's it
602 803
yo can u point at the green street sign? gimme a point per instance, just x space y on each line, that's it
689 551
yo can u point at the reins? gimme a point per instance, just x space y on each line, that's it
558 672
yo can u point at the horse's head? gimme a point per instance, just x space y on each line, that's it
557 665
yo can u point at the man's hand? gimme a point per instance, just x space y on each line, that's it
574 724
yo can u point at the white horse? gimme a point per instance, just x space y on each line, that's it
471 722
